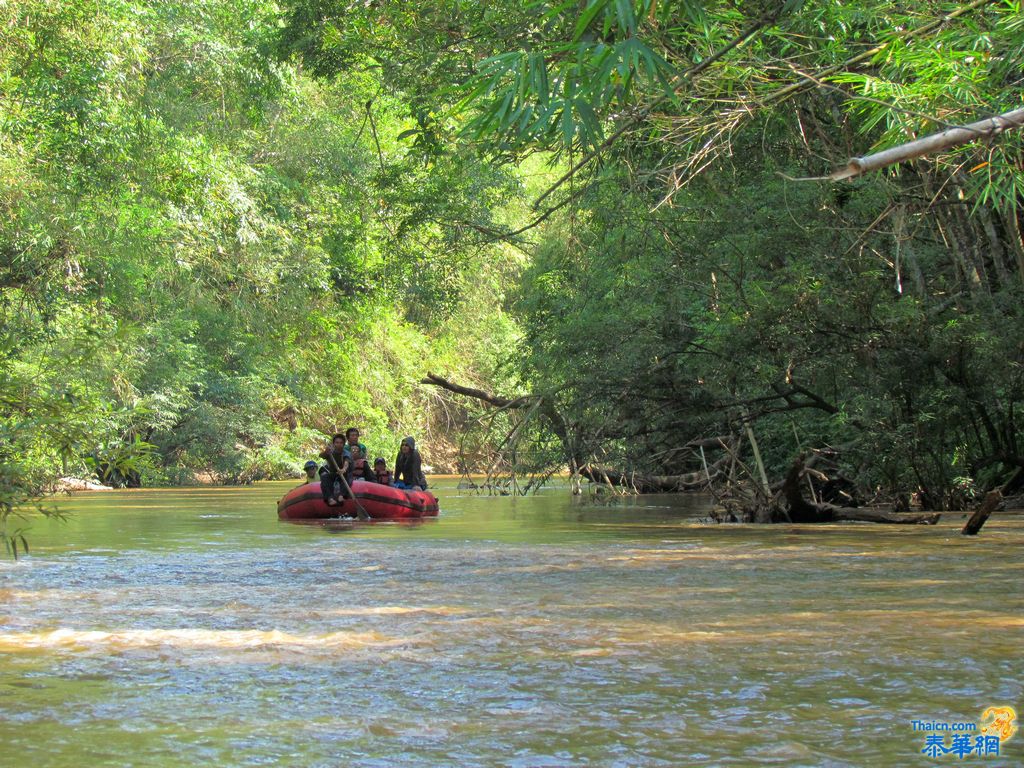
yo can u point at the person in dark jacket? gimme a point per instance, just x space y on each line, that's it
339 465
409 467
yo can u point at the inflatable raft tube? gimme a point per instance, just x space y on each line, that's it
381 502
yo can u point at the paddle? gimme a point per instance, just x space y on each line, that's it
361 513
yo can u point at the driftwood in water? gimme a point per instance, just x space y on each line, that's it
992 501
803 511
843 514
71 484
981 514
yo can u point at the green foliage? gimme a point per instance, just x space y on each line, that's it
754 298
674 303
210 262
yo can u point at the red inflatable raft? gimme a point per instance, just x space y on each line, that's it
381 502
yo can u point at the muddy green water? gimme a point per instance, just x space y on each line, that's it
191 627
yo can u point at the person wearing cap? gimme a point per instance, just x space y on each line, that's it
310 468
409 467
381 471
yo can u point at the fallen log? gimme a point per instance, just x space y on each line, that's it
73 484
803 511
881 516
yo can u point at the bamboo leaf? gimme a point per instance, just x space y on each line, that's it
587 17
556 11
568 127
524 77
540 78
626 18
589 118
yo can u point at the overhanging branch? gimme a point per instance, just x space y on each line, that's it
479 394
937 142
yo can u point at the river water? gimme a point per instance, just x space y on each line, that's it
191 627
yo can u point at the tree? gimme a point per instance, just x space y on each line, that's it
682 288
210 259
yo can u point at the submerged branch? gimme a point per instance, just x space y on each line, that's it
690 481
803 511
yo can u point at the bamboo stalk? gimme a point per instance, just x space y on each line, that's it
952 137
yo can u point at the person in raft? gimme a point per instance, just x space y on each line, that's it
310 468
409 467
381 471
339 465
361 469
352 441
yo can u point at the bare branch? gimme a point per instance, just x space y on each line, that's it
479 394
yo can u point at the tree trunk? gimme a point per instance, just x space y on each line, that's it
1017 241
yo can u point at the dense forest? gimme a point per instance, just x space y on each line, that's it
231 227
211 260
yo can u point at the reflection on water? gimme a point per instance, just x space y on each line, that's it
166 628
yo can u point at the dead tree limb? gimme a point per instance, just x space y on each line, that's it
803 511
937 142
981 514
479 394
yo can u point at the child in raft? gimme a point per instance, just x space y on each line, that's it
381 471
361 469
